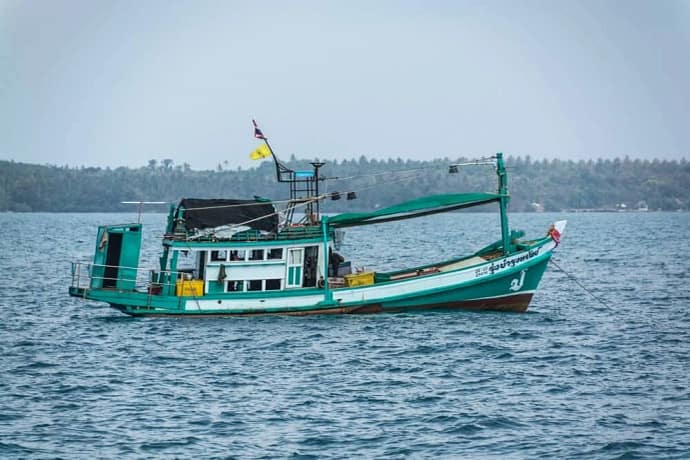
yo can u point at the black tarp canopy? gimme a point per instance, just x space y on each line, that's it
200 213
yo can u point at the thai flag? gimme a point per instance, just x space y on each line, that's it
257 132
555 235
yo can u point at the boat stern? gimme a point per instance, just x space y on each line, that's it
115 262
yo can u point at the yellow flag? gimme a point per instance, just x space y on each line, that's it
261 152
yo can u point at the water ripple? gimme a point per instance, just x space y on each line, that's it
572 378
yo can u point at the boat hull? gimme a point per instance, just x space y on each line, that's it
517 303
505 284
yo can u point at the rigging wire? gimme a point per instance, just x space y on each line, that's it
420 171
326 195
417 173
414 173
572 277
402 179
478 162
384 173
253 203
278 212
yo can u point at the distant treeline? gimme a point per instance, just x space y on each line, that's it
553 185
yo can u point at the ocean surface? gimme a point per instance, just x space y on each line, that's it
601 373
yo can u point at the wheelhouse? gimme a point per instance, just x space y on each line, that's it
223 268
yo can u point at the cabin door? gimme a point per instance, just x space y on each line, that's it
116 257
112 260
295 260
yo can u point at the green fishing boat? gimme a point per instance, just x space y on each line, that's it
223 257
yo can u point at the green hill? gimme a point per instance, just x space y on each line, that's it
554 184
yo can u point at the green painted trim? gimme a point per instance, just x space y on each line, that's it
327 294
186 245
171 219
137 297
172 275
214 287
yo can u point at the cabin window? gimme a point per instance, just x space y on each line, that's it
295 257
186 260
273 285
275 253
256 254
293 276
235 286
239 254
219 256
254 285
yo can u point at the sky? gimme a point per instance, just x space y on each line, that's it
117 83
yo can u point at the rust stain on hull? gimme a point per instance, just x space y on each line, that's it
517 303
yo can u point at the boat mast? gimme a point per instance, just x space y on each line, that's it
327 293
503 202
315 191
304 185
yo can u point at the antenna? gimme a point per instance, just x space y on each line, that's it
304 185
141 205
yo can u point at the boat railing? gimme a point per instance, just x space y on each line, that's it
83 274
287 232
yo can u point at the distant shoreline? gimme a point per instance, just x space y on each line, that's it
620 185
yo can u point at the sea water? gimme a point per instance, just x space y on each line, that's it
597 368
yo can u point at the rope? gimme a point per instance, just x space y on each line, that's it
322 197
490 160
417 171
402 179
411 174
597 298
254 203
304 203
387 172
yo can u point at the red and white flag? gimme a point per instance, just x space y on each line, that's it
257 132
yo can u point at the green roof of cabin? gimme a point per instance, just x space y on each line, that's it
414 208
